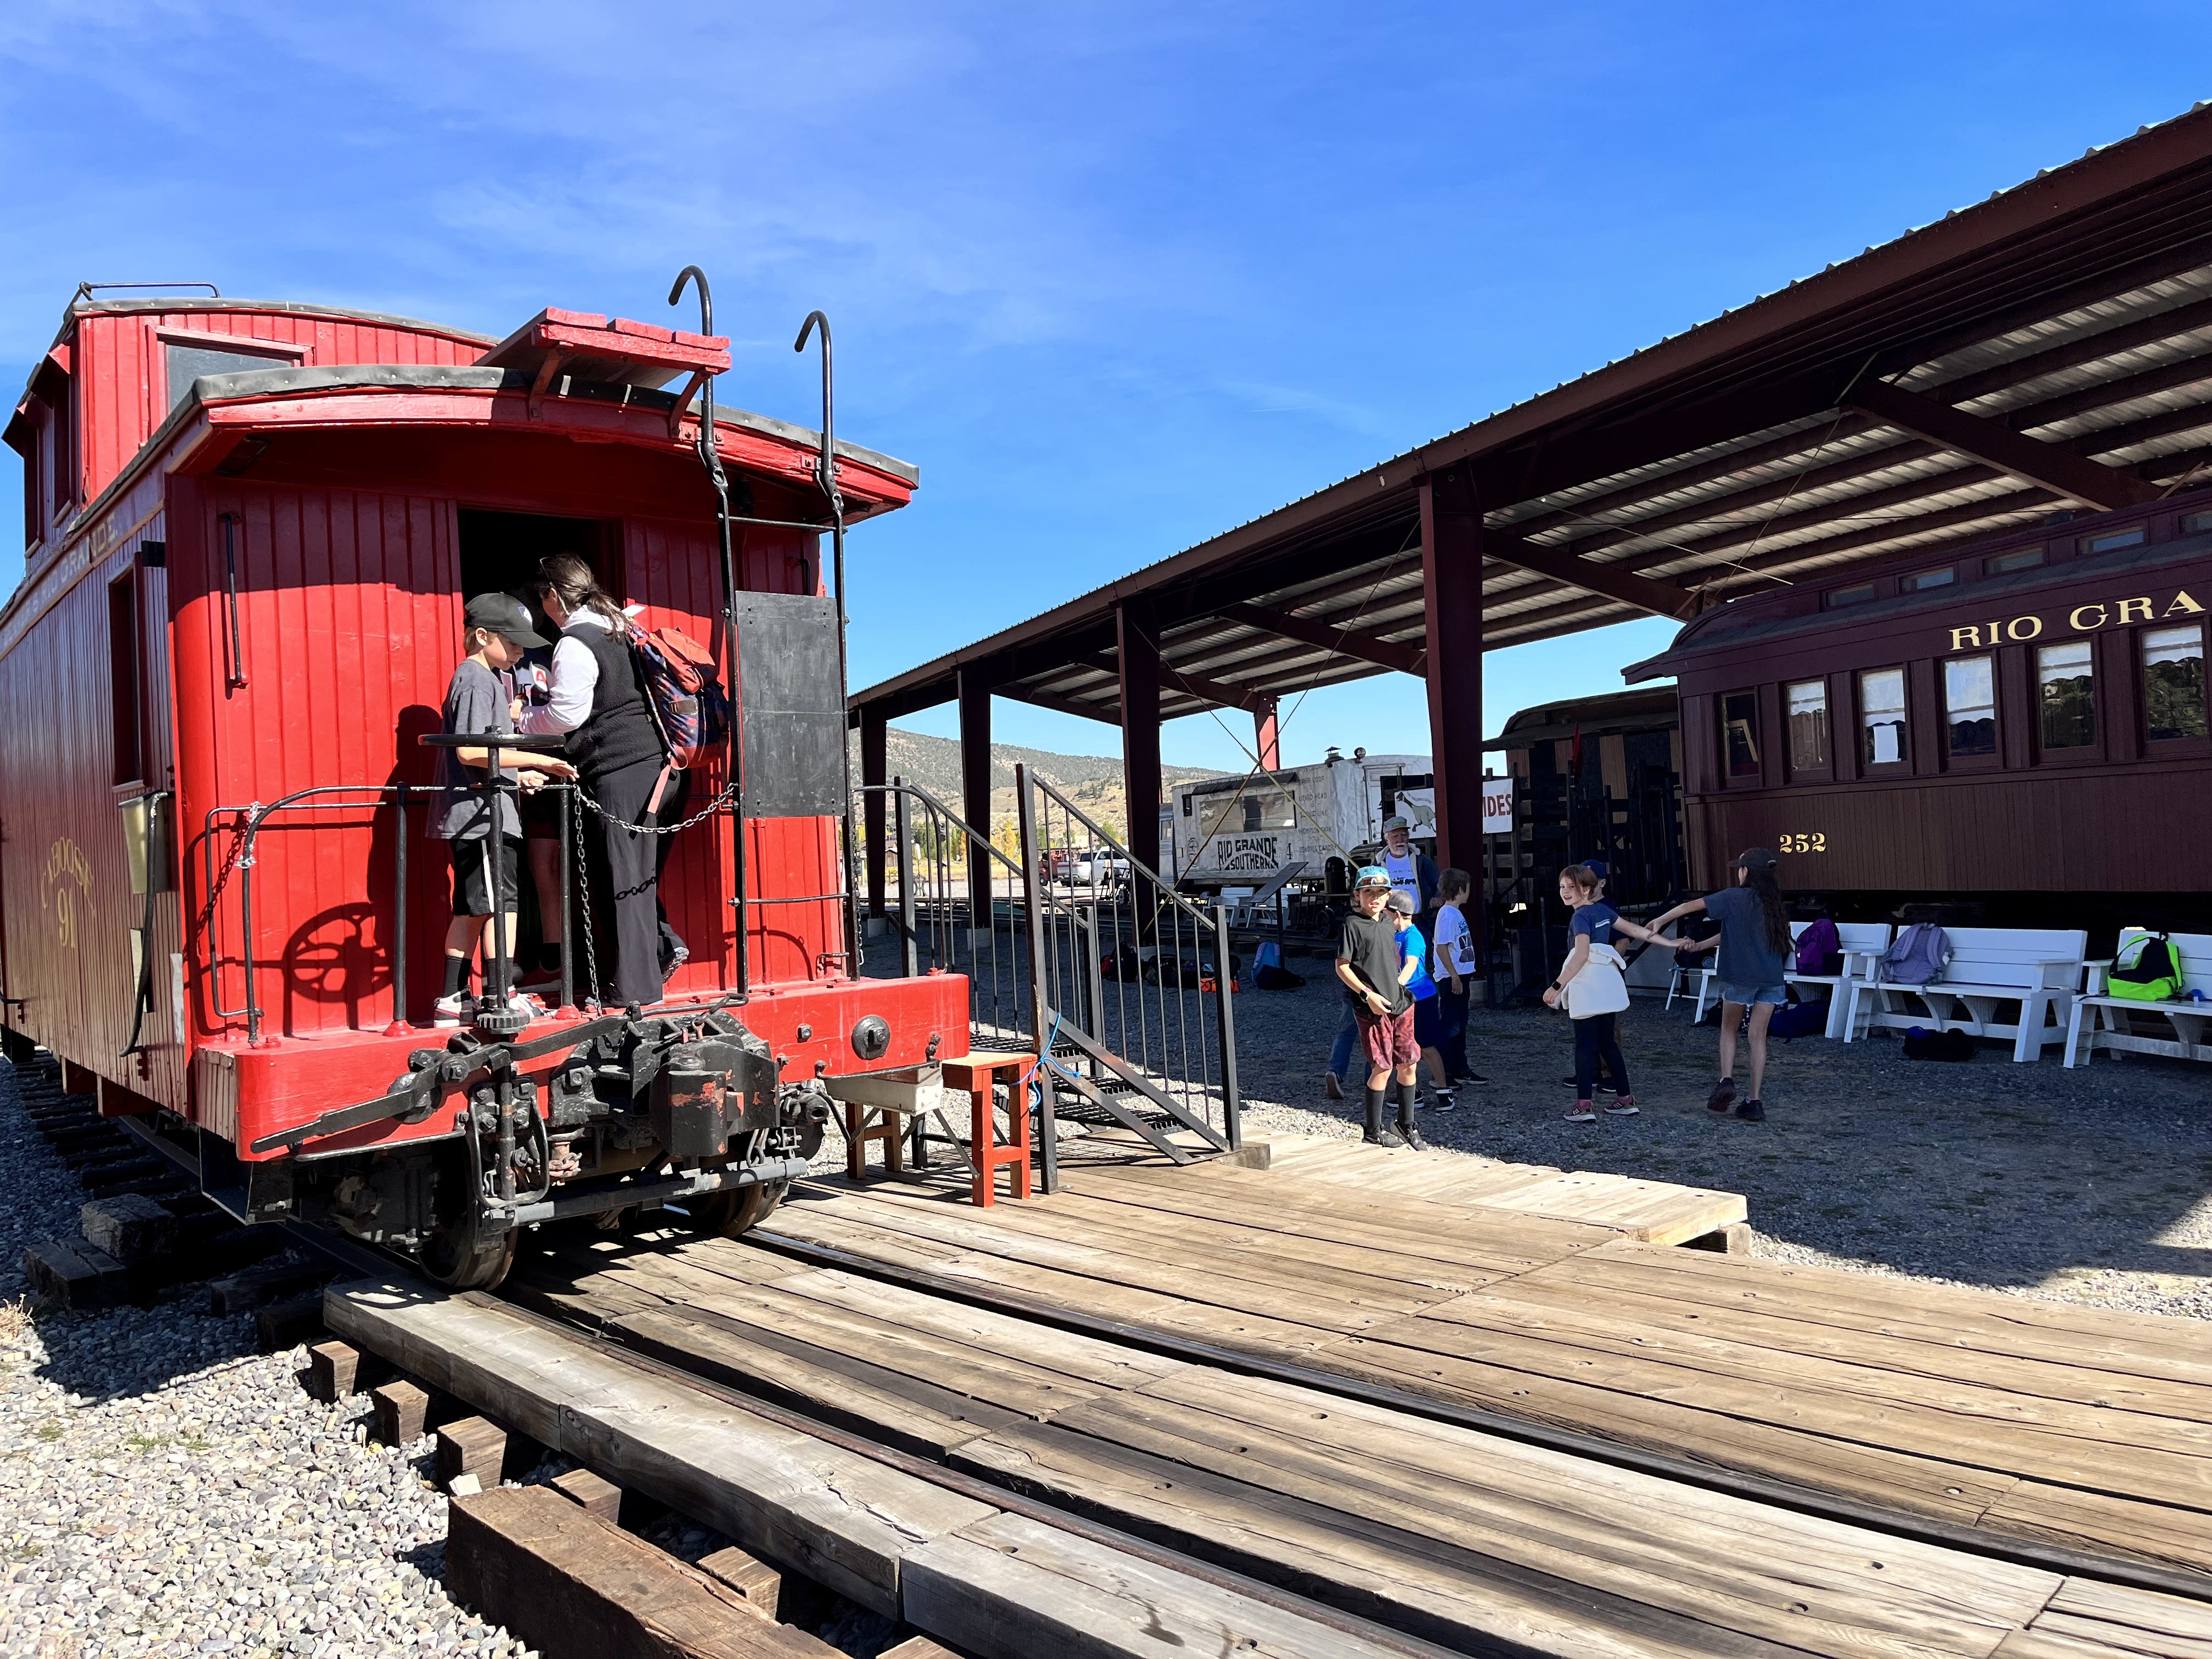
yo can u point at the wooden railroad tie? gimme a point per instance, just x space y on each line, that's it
282 1325
760 1584
575 1586
401 1408
473 1448
129 1227
598 1496
332 1369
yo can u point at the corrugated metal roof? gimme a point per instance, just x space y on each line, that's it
2078 315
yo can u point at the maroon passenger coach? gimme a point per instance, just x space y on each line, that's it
250 527
2019 726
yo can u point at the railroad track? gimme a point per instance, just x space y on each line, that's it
994 1507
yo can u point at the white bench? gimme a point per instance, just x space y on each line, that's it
2101 1020
2038 970
1863 943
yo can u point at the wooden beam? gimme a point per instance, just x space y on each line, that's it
1406 658
1613 581
2026 458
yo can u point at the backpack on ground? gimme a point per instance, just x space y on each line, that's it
1267 976
1797 1019
1819 946
689 708
1921 954
2145 970
1948 1043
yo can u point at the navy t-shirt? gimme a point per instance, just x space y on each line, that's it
1746 958
1596 919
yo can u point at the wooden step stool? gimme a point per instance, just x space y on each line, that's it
980 1074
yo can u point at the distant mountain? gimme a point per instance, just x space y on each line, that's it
1093 782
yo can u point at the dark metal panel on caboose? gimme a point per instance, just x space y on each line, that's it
223 885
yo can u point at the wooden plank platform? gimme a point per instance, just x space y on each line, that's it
1469 1540
2083 1426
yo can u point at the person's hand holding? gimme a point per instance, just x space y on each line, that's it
1375 1006
1551 996
553 766
530 780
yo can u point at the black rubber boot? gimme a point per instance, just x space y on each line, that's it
1407 1127
1376 1135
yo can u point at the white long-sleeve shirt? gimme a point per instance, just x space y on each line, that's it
575 674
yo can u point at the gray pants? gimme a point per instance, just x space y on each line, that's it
644 942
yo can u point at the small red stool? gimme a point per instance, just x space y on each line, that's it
980 1075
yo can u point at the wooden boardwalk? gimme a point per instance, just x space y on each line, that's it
1471 1541
2089 1428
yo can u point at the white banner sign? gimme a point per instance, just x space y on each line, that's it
1498 806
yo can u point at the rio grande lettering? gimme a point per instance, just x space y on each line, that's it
2082 619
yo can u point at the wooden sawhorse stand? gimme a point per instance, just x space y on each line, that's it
980 1074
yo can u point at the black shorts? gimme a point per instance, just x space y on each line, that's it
472 876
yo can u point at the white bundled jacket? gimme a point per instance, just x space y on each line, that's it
1600 987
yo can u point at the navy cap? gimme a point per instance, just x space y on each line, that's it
505 616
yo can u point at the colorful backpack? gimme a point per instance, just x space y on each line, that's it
1921 954
1818 944
689 705
2145 970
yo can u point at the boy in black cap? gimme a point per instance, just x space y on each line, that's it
497 631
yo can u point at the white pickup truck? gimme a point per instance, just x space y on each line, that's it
1097 866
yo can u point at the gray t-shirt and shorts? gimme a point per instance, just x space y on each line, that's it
475 701
1747 970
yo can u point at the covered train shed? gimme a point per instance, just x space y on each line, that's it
2045 351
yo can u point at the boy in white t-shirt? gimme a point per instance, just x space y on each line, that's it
1456 965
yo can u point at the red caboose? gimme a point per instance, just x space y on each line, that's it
250 528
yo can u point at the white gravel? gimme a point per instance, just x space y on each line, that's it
166 1490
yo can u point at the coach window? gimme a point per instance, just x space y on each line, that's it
1921 580
1807 703
2020 558
2196 524
2173 683
2112 540
1739 734
1857 594
2066 687
1970 708
35 507
1882 717
123 678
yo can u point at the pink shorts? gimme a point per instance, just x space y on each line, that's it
1390 1039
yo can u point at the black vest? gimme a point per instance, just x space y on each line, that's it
620 731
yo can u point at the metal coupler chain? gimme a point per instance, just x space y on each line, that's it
728 794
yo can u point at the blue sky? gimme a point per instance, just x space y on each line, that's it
1116 278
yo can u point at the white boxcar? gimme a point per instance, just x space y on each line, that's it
1243 832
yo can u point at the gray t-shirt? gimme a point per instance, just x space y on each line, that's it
474 701
1745 956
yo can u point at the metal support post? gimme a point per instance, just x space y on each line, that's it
875 742
910 955
1232 1103
399 923
976 797
1451 569
1140 657
568 904
1033 902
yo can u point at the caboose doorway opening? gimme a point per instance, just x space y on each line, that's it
500 551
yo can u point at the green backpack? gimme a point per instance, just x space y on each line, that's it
2145 970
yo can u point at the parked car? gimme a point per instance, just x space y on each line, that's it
1098 866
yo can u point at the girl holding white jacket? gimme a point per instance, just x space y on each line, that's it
1591 985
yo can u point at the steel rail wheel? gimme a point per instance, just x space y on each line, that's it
727 1215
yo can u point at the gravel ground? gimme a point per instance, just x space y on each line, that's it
165 1490
2093 1185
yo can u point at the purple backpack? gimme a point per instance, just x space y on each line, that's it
1919 957
1818 942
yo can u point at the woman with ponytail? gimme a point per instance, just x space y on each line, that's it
598 698
1755 947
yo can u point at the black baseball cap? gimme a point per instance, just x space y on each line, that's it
504 615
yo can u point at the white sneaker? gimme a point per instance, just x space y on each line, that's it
448 1011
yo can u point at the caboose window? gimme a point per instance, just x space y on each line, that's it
2066 682
2195 523
1921 580
1841 596
2173 682
34 508
1881 716
1740 733
123 673
1970 706
1808 726
2023 558
2133 536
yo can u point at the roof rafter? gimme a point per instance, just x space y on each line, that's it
1383 654
1995 443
